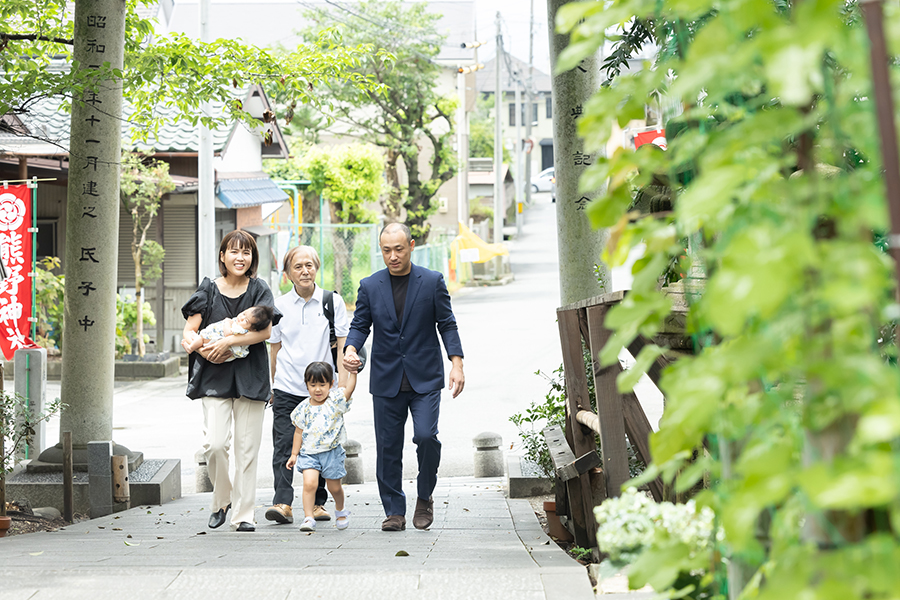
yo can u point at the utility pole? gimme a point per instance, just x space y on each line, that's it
462 124
520 181
529 117
462 151
206 208
498 142
580 245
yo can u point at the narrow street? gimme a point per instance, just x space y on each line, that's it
508 333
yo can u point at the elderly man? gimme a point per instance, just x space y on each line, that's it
302 337
407 305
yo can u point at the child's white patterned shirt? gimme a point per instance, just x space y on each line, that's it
323 425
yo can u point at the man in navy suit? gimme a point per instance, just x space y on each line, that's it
407 306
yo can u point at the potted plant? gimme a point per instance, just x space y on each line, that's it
17 423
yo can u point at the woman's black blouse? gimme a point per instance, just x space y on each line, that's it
248 376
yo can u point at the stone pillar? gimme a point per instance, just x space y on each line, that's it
100 489
30 368
92 227
202 482
353 464
580 245
488 456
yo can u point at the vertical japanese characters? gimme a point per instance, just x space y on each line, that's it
15 252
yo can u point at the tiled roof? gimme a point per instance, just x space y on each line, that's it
50 124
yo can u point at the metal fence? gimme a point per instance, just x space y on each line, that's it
433 256
348 254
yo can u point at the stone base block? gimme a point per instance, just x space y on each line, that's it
45 489
124 370
520 485
163 487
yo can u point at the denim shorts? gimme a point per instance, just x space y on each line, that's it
330 464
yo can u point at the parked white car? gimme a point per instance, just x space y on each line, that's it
543 182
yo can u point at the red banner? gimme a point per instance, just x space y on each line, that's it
657 137
15 252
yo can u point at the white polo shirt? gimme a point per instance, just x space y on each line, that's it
303 333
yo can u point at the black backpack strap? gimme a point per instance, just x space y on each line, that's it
328 310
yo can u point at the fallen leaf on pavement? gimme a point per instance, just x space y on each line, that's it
402 553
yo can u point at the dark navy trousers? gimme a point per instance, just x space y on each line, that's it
282 441
390 421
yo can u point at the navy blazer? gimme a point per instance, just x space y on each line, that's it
412 347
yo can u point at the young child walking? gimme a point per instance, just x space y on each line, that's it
255 318
318 435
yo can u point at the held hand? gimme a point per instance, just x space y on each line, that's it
218 351
289 465
351 361
457 380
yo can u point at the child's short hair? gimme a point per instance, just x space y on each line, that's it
319 372
262 316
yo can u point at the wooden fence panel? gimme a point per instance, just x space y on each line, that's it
613 448
580 499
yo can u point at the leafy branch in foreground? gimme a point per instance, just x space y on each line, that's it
163 71
788 404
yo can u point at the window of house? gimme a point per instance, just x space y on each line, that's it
534 112
512 114
46 238
549 101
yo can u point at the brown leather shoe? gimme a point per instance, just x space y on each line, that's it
280 513
424 515
320 514
394 523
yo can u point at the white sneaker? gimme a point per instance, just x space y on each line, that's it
342 519
309 524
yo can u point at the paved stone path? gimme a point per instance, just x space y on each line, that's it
482 545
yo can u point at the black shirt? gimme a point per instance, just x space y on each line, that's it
248 376
399 287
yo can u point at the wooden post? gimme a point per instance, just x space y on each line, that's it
581 500
609 407
68 491
121 488
884 107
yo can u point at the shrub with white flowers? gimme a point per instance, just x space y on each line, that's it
632 522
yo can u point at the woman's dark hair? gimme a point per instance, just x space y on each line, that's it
319 372
241 240
262 316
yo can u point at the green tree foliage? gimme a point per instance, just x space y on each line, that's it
410 115
171 70
350 177
481 130
142 185
49 290
778 188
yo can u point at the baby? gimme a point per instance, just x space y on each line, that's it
255 318
318 434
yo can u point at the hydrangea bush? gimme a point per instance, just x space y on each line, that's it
633 522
